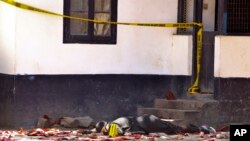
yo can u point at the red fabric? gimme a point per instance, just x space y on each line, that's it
169 95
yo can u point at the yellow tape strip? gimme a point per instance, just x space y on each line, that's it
194 89
32 8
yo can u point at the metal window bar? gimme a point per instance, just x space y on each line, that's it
238 16
185 14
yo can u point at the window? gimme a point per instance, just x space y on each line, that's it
238 16
77 31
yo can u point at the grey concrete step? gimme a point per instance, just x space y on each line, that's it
198 111
181 104
199 96
170 113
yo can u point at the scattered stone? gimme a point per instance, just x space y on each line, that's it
157 134
80 134
69 122
223 135
209 140
43 123
212 135
202 134
85 122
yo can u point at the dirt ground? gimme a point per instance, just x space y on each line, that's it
84 135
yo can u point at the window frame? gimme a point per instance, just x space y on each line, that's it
222 20
90 38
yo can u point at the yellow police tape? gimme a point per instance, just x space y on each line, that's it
113 130
192 90
32 8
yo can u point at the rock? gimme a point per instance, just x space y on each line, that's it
201 134
43 123
212 135
219 136
186 134
157 134
85 121
222 135
162 138
69 122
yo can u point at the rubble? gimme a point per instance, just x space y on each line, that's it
68 122
222 135
54 134
81 129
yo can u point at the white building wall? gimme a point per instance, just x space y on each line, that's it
7 39
232 56
139 50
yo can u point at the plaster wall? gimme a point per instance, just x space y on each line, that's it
39 48
7 38
232 57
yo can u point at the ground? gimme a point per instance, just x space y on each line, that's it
54 134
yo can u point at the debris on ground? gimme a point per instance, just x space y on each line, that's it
141 128
68 122
84 135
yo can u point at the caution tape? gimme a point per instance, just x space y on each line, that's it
192 90
35 9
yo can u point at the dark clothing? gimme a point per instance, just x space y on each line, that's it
146 124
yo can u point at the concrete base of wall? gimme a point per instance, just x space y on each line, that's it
235 89
225 113
233 95
103 97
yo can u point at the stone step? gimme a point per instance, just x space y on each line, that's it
181 104
199 97
177 104
170 113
